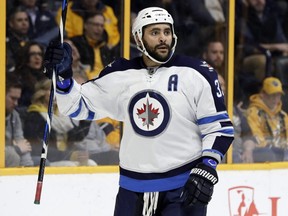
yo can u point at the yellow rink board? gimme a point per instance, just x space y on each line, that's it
115 169
2 80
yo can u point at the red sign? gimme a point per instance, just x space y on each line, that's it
242 202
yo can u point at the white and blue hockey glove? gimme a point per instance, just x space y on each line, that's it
59 57
198 189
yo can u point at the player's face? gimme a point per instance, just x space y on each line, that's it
157 39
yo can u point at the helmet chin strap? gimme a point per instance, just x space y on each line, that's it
144 51
155 60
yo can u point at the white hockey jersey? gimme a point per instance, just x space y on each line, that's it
173 115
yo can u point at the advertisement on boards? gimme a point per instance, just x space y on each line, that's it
251 193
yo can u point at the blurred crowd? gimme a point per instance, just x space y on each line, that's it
93 30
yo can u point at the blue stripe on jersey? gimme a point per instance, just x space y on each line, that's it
145 182
228 131
210 119
90 115
66 91
151 176
76 113
154 185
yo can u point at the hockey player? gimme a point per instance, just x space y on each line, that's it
176 127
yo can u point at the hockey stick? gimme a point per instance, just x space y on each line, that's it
49 113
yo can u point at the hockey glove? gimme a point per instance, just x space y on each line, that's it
198 189
58 57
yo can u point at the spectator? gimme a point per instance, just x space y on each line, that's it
260 37
249 85
116 6
60 154
112 131
29 70
95 52
244 142
222 83
268 122
17 35
282 7
285 18
43 26
95 144
110 127
77 11
216 10
78 67
197 24
17 148
214 55
53 6
92 45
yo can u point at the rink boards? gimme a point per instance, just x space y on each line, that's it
91 191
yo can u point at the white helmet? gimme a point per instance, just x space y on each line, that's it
147 16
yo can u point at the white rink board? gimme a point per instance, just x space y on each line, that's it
62 195
94 194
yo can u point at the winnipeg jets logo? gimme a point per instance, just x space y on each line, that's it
149 113
205 64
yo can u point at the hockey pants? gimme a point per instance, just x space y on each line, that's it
129 203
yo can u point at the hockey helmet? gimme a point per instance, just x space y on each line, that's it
152 15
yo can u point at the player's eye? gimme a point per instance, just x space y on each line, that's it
154 33
168 32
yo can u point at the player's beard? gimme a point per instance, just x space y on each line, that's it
152 51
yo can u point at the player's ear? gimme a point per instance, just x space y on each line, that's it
137 39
